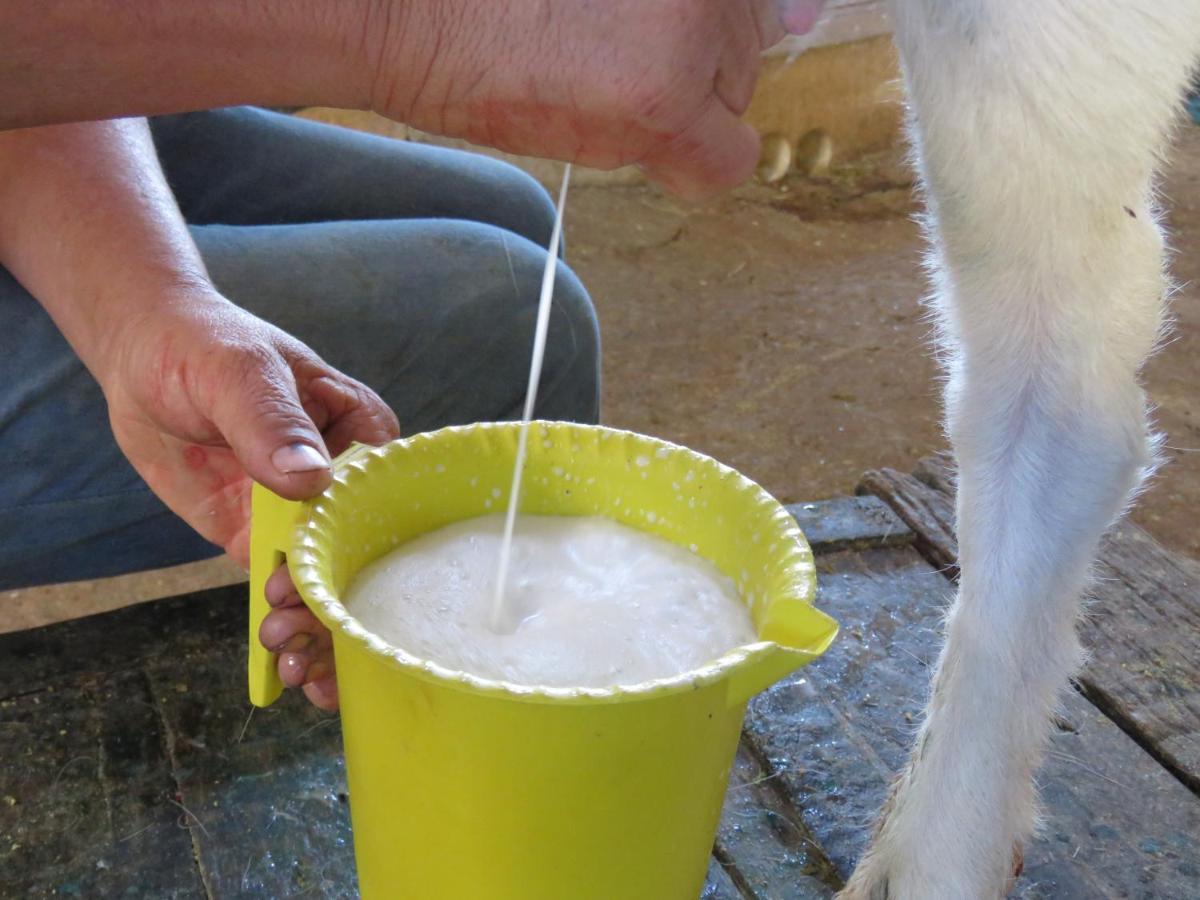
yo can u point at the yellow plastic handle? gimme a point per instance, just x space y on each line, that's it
272 520
272 528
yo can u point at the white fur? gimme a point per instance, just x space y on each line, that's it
1037 127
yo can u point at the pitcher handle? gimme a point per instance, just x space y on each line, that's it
272 523
272 520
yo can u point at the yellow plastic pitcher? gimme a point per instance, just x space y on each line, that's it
463 788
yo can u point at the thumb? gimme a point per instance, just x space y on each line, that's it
266 427
717 151
800 16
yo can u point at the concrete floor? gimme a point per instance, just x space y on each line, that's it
779 329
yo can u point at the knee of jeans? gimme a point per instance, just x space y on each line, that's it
473 324
570 384
570 379
519 203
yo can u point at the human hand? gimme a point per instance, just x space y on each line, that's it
656 83
203 397
304 646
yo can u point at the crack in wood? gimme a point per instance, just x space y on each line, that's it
168 745
735 874
1111 710
778 797
1148 692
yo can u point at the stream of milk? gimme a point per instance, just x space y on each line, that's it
557 601
501 617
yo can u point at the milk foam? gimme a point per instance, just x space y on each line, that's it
590 603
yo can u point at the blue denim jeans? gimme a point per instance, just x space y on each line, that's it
412 268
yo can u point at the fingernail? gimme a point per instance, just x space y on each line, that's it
799 16
298 458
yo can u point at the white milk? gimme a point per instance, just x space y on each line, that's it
590 603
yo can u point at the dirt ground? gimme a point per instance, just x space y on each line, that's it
779 329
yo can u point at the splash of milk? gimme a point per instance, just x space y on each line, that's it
500 619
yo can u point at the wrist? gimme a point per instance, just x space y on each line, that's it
149 325
412 50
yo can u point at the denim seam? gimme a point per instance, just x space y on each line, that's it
43 504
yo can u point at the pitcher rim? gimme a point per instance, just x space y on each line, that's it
308 555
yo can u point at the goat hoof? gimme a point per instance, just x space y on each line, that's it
775 160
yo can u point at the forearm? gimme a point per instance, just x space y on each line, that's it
78 60
661 84
90 228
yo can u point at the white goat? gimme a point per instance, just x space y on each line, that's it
1037 126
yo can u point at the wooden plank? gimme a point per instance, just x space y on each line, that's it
122 639
1136 830
1141 628
265 796
764 843
1117 824
34 607
268 789
938 471
718 885
836 731
86 793
929 513
850 523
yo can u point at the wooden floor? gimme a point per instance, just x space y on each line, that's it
129 765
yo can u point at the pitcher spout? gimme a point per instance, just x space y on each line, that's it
793 635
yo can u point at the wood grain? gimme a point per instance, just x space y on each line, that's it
1116 823
1141 626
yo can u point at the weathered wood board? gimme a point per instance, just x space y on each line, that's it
85 794
1117 823
128 765
719 886
929 513
850 523
766 845
1141 628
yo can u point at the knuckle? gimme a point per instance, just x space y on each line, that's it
258 376
251 358
281 415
